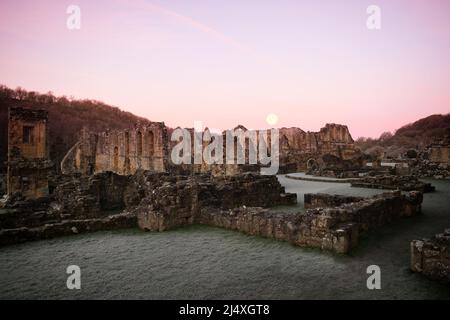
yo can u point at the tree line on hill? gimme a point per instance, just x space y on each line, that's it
413 136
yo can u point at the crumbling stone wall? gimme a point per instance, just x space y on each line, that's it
65 228
179 200
84 197
302 151
431 257
222 167
404 183
28 162
323 200
94 198
434 161
336 228
20 213
440 152
144 147
125 152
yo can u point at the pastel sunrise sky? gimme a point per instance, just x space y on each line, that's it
234 62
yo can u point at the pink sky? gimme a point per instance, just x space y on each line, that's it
229 62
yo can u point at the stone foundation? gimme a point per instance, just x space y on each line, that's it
429 169
323 200
88 197
431 257
335 229
21 212
87 202
403 183
179 203
64 228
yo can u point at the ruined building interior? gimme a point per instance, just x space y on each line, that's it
122 179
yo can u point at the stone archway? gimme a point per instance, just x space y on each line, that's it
312 164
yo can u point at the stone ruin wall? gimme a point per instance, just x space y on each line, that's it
109 201
431 257
28 163
221 168
393 182
300 150
323 200
122 152
334 228
440 154
180 200
434 161
125 152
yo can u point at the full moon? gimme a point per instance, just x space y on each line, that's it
272 119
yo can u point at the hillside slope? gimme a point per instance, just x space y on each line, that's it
430 127
415 135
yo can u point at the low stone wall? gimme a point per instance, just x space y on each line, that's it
27 213
336 229
431 257
429 169
88 202
180 202
307 230
323 200
78 197
67 227
404 183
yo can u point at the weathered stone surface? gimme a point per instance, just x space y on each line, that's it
149 147
176 203
90 196
323 200
28 163
332 228
67 227
160 200
404 183
429 169
144 147
434 160
302 151
21 212
431 257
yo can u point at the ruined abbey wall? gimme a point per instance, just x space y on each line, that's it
28 163
431 257
300 150
150 147
123 152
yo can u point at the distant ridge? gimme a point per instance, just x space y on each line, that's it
433 126
415 135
